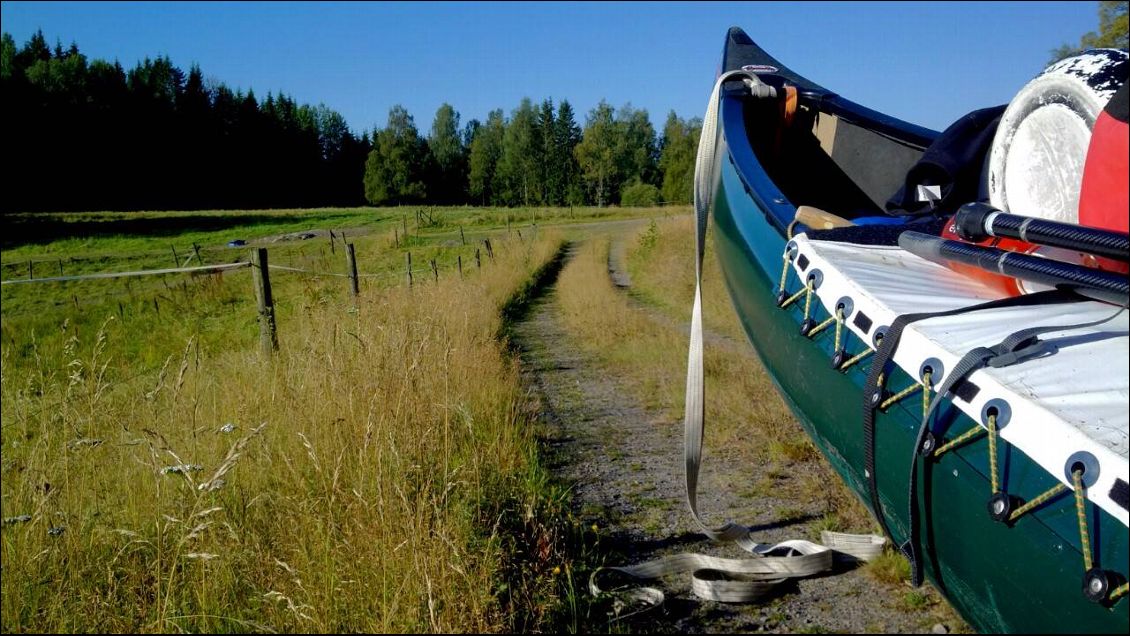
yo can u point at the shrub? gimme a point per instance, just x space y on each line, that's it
639 195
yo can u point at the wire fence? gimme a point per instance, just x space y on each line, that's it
260 266
146 272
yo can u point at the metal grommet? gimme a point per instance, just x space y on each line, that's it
791 249
847 304
1000 506
878 334
937 370
781 297
998 407
1088 462
816 277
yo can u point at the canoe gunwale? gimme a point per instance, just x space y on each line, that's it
751 224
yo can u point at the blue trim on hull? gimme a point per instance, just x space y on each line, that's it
749 210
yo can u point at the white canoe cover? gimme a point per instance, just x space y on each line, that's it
1073 401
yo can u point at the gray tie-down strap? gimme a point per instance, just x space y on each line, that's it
715 578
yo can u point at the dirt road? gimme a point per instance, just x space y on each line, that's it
625 466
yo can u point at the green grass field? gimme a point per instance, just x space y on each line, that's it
376 474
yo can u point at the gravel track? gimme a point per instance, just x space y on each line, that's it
624 463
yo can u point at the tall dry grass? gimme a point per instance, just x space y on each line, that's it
643 341
371 477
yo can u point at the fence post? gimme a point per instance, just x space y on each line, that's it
268 337
30 273
196 250
60 268
176 257
435 270
396 237
460 267
461 237
351 261
478 260
490 250
332 249
409 258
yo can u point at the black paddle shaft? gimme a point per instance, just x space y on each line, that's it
978 221
1095 283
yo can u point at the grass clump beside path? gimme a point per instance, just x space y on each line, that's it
378 475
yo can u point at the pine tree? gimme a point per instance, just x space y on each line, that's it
566 137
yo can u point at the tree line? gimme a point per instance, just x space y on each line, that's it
90 135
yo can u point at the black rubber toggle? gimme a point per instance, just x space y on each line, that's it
1097 585
1001 505
781 297
929 443
806 326
838 359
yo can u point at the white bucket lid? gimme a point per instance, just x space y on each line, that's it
1036 161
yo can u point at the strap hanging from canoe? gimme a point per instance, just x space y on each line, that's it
730 580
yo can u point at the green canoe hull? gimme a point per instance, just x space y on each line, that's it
1021 578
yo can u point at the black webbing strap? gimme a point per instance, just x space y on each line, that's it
873 393
1016 348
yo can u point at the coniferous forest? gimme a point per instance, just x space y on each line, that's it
86 134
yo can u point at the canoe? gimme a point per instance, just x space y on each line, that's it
1009 488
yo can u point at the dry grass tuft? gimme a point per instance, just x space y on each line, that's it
350 484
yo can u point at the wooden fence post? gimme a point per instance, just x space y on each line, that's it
461 237
490 250
396 237
435 270
176 257
268 337
30 273
409 259
332 249
60 268
351 261
478 260
196 250
460 257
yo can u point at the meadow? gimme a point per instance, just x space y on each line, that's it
382 470
378 473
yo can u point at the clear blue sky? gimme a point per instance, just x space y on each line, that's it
928 63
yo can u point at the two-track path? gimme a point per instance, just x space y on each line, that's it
625 465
